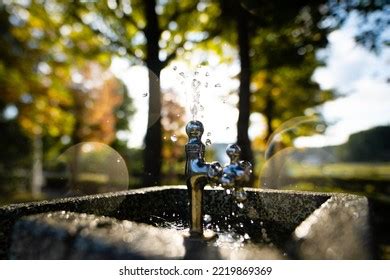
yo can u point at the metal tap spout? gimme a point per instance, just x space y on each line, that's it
199 173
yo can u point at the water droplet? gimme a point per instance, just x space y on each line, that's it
174 68
320 128
207 74
208 142
201 108
118 160
174 138
165 138
240 205
228 191
240 196
241 225
195 83
224 100
208 134
196 73
182 74
227 128
144 94
246 236
207 218
217 85
194 110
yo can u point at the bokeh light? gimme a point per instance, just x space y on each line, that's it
90 168
291 165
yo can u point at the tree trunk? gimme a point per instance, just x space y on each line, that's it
244 94
268 113
37 178
153 139
273 164
73 161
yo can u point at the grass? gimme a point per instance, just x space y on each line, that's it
356 171
19 197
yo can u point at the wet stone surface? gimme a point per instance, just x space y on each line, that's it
342 226
270 218
67 235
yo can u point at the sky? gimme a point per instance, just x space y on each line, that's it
359 76
217 108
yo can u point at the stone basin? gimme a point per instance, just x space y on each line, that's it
150 224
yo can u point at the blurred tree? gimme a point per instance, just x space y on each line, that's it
124 114
31 85
14 156
259 22
151 32
277 43
282 84
45 71
174 138
373 20
97 97
366 146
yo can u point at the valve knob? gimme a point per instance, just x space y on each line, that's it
194 129
233 151
214 172
236 173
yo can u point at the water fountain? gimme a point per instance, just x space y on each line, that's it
200 173
153 223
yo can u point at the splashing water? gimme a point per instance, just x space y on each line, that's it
207 218
195 90
194 82
240 196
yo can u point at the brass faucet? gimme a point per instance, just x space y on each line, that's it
200 173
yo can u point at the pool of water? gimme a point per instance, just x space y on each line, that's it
267 238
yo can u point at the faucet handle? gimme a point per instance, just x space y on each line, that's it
236 173
247 166
214 172
194 130
233 151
